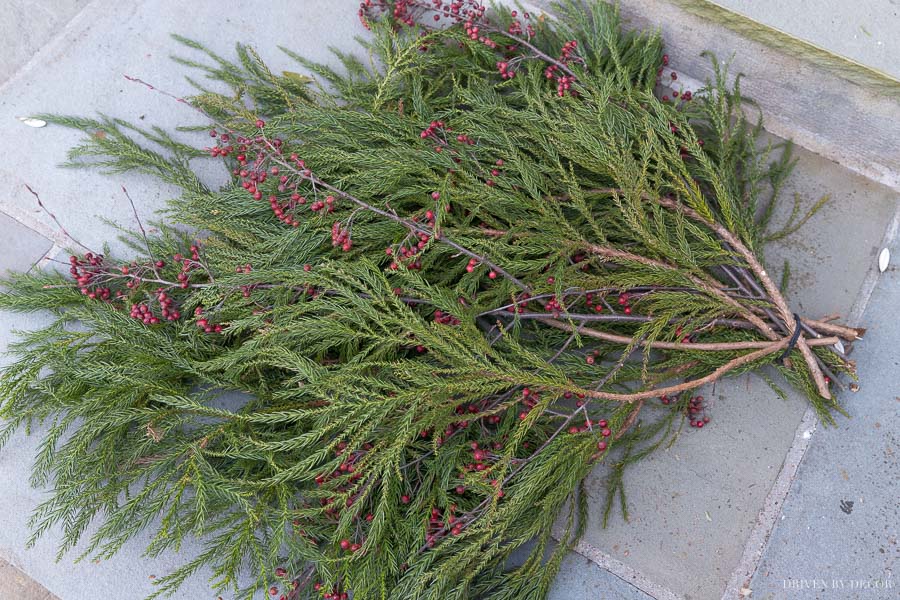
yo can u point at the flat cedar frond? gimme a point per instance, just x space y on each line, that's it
441 285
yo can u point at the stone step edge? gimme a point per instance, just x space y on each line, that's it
843 66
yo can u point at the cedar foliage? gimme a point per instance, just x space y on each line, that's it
439 410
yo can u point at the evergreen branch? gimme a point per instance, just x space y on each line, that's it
431 297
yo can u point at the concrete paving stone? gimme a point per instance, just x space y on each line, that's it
20 247
865 32
581 579
831 254
127 576
16 585
693 506
837 537
31 24
81 73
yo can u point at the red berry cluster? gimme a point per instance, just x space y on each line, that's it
685 96
588 426
340 236
454 428
318 205
253 175
521 303
564 82
685 339
143 313
410 250
697 412
436 528
346 466
167 306
605 432
281 573
101 280
273 591
492 419
568 50
480 458
334 594
530 398
408 12
187 265
85 270
347 546
515 28
220 150
445 318
245 289
555 306
433 128
204 324
473 263
589 302
623 301
506 71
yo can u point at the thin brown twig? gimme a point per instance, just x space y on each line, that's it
695 383
712 347
629 421
143 232
620 318
55 220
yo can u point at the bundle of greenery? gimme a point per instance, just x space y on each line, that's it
447 282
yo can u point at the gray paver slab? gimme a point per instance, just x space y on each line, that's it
29 24
127 576
581 579
16 585
693 505
845 114
838 534
831 254
20 247
81 73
